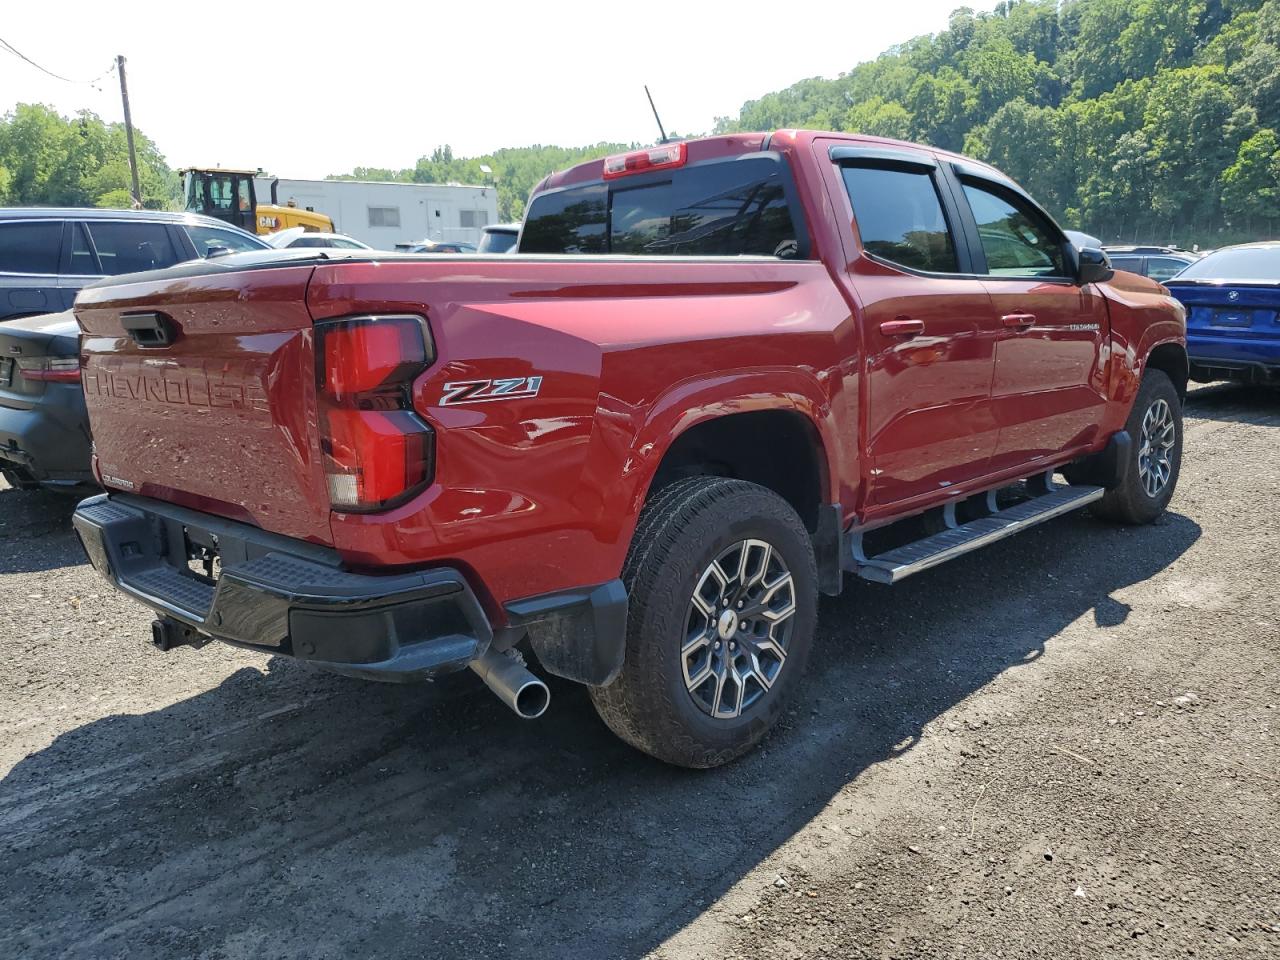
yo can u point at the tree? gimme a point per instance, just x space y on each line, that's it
77 161
1251 185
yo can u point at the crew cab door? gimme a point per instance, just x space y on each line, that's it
928 330
1048 390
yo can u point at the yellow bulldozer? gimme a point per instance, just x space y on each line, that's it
231 195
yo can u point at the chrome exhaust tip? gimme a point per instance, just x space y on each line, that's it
506 675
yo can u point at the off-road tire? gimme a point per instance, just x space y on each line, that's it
682 528
1130 502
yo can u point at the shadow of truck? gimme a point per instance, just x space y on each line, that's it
288 814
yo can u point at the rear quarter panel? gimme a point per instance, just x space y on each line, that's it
542 493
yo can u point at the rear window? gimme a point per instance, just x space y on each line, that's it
30 247
1254 264
132 247
728 208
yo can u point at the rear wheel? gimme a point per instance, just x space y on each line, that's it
723 602
1155 424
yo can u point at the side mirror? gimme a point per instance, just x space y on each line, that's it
1093 266
215 250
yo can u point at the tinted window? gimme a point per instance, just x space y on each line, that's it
1162 268
1251 263
1015 239
312 242
131 247
570 221
900 217
30 247
1132 264
206 238
729 208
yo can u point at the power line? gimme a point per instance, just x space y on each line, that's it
6 45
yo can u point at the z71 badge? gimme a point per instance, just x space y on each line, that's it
485 391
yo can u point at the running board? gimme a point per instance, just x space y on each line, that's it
901 562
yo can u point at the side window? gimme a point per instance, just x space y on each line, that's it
1162 268
1131 264
125 247
30 247
900 217
1015 238
207 238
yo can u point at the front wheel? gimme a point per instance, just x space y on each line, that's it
723 596
1155 424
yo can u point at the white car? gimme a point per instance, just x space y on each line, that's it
296 237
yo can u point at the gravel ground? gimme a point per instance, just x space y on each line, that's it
1063 746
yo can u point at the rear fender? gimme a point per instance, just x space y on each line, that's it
694 402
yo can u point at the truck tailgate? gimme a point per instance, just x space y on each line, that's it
221 419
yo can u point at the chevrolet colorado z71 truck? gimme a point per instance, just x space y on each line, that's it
718 376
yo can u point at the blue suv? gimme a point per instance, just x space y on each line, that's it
47 253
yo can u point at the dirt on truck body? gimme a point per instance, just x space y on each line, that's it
718 376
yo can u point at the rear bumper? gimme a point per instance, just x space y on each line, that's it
287 597
283 596
47 441
1223 356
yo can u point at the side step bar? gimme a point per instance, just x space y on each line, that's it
901 562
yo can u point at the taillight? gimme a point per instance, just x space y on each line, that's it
640 161
377 452
50 369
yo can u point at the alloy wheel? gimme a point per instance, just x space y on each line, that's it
738 628
1155 455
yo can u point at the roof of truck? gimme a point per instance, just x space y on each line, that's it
728 145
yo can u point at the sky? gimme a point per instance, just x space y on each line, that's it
308 89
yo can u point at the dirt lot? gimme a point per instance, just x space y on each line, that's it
1064 746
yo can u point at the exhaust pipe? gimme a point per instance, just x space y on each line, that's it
505 674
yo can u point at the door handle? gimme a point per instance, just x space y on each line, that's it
902 327
1019 321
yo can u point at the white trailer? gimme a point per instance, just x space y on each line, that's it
383 213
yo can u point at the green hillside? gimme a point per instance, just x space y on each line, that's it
1130 119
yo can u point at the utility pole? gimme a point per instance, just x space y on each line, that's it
128 132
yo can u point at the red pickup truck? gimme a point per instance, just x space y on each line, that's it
718 376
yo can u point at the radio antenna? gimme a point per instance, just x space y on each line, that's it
655 114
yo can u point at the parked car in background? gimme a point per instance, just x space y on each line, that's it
47 254
296 237
1158 263
499 238
436 246
768 361
44 432
1232 297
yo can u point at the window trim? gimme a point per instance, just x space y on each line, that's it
804 240
956 174
902 161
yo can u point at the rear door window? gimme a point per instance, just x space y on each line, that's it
1162 268
727 208
128 247
210 238
900 218
1131 264
30 247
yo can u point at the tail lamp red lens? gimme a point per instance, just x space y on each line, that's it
50 369
641 161
377 451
